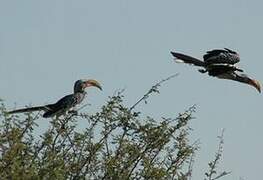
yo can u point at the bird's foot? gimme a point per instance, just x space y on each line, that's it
73 112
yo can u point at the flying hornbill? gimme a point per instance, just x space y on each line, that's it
64 104
219 63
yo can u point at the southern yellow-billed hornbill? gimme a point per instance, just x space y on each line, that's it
219 63
66 103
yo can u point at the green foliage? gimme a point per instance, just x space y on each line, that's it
117 143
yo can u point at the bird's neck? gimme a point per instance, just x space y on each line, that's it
79 96
80 92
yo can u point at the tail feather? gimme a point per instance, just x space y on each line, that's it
36 108
187 59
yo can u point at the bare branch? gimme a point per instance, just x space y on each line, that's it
154 89
213 164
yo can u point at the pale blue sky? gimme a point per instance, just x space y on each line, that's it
46 45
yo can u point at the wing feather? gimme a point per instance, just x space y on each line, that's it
187 59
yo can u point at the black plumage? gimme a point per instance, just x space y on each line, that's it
64 104
221 56
219 63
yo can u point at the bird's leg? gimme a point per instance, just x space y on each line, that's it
237 69
202 70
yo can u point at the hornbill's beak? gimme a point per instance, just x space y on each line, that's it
92 82
256 84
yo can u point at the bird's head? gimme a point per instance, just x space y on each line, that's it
232 52
256 84
80 85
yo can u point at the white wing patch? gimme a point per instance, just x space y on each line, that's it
178 60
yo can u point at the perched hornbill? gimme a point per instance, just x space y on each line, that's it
219 63
64 104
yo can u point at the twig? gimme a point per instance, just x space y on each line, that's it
152 90
190 167
221 175
215 162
